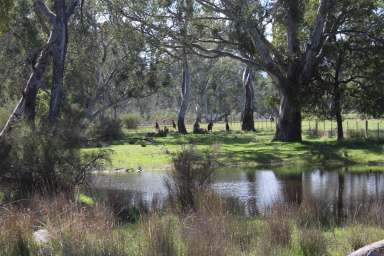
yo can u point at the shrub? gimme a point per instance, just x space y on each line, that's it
42 160
131 120
191 175
312 242
107 130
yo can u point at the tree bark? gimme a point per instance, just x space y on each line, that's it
339 118
55 48
288 128
185 98
59 50
337 96
248 123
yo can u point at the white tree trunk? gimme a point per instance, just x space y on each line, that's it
185 97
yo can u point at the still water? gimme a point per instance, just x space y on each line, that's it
257 190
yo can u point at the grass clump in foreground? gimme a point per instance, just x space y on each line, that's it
200 223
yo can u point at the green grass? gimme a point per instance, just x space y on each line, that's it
245 149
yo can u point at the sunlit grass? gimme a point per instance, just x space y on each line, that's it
246 148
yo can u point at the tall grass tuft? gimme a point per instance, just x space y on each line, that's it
162 235
312 242
192 174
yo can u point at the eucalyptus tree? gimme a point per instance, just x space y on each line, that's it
236 27
167 26
351 67
56 49
217 88
111 63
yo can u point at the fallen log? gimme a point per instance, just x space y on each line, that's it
374 249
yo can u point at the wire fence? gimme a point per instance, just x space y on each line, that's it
352 128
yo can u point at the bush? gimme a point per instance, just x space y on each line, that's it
107 130
191 176
131 120
313 243
43 160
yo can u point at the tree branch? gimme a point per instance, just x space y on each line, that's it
43 9
316 41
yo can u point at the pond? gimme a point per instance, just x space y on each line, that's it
257 189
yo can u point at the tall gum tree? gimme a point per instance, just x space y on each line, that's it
291 66
166 25
55 49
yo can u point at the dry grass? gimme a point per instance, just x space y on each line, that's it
72 228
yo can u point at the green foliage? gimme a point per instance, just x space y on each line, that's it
5 15
107 130
87 200
42 104
131 120
41 160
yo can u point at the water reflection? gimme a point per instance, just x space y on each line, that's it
342 191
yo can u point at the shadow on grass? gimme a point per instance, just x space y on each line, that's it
332 151
256 147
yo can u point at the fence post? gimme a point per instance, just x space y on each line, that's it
378 130
317 127
366 129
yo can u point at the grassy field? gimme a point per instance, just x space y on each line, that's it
250 148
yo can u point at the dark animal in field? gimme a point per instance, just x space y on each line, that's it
227 125
174 125
272 119
159 133
210 126
197 129
162 133
157 126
